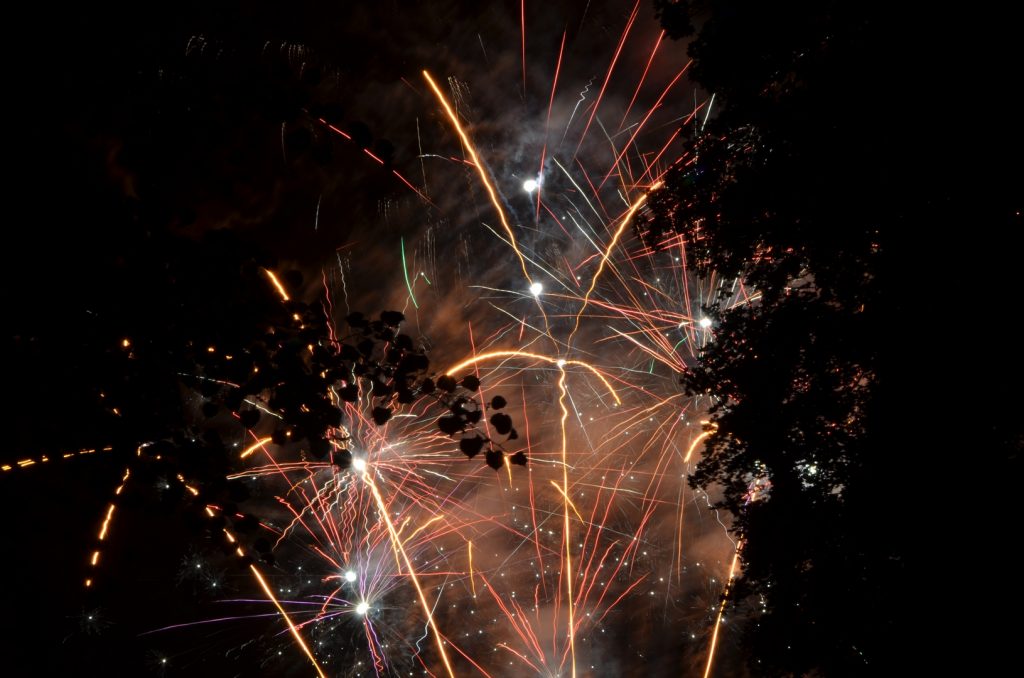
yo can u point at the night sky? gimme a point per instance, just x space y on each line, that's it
306 135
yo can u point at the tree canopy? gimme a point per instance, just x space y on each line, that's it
802 188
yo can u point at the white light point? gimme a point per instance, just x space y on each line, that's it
350 576
362 608
560 362
530 185
536 288
705 323
359 464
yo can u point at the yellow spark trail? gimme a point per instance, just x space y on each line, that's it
491 192
291 625
567 535
693 445
255 446
721 609
277 284
607 253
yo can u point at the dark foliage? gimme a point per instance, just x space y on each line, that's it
800 187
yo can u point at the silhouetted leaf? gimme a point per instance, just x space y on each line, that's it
518 458
449 425
470 383
497 402
501 422
392 318
495 459
471 446
381 415
366 347
292 279
446 383
342 459
319 448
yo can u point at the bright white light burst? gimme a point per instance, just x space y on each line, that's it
359 464
705 322
536 288
350 576
362 608
530 185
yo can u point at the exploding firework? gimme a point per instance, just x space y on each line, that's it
394 555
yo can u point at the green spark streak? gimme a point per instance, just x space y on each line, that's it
405 272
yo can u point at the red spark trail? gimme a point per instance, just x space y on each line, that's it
642 78
608 76
644 121
547 122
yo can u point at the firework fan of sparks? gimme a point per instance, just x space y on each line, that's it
589 559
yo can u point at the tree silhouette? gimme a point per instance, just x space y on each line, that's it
797 187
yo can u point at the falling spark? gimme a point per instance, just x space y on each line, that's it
491 192
277 284
288 620
721 609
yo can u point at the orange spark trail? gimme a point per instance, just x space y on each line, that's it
382 507
643 122
522 28
472 582
567 535
105 526
277 284
642 78
491 192
547 122
693 445
604 257
255 446
291 626
721 608
524 354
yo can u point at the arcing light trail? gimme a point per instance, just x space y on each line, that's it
488 186
558 362
574 545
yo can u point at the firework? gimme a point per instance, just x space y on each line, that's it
409 558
